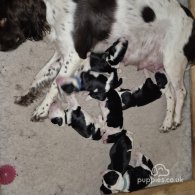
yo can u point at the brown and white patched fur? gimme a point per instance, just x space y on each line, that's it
161 34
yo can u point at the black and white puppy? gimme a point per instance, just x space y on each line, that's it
114 102
77 118
121 176
145 94
99 72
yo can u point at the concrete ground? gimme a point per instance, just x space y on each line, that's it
50 160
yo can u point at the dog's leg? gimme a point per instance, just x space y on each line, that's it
170 98
42 79
177 82
70 64
175 70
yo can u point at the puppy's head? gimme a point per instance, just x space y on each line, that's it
98 62
112 182
21 20
68 85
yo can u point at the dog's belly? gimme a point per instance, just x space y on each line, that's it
144 49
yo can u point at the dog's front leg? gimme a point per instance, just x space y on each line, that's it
69 65
42 79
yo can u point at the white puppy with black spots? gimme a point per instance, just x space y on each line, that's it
160 35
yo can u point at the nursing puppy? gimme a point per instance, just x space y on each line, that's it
145 94
77 118
98 73
121 176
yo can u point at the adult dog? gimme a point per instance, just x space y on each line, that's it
161 34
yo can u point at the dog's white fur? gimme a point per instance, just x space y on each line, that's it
159 44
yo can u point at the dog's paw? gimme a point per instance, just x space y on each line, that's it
175 125
27 99
164 129
40 114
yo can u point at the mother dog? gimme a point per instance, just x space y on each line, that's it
161 34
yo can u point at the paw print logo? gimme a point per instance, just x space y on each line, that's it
160 170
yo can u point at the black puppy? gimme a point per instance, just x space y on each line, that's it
121 176
146 94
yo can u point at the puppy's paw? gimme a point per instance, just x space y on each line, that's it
105 138
137 157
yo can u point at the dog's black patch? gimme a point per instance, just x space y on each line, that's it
111 178
78 123
135 173
116 82
68 88
57 121
111 50
189 48
25 20
98 63
161 80
98 96
94 25
187 11
105 190
90 83
148 14
145 95
119 153
96 135
115 137
147 162
115 116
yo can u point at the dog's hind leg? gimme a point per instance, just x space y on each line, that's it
42 79
175 69
170 99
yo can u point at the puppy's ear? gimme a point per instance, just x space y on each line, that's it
111 178
98 95
161 80
68 88
78 111
57 121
